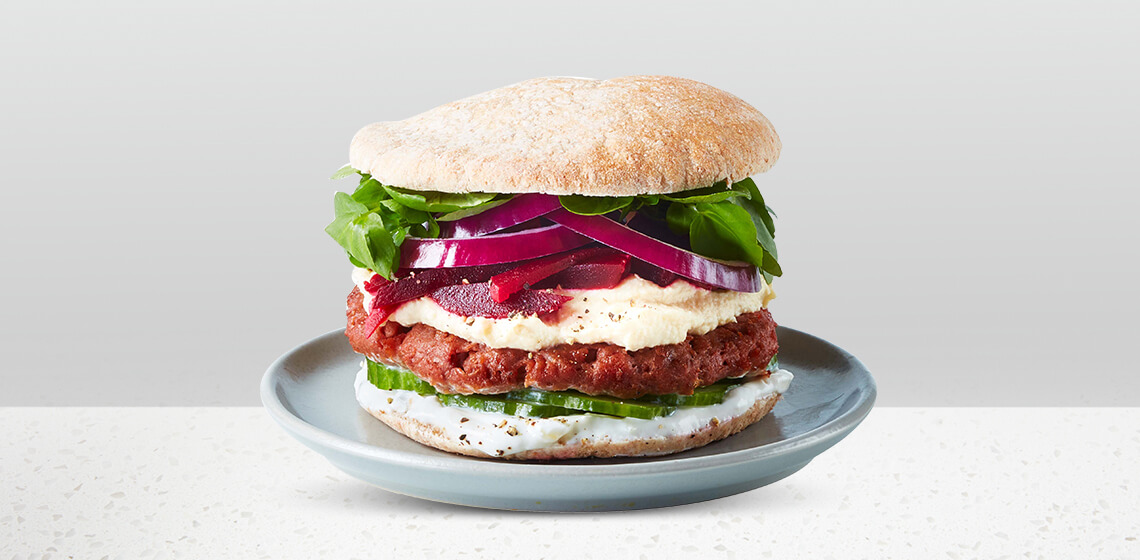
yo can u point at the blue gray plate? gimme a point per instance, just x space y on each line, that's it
308 391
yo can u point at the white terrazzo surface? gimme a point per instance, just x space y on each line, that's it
908 483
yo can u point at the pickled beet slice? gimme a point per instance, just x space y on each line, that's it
418 283
654 274
374 284
603 272
531 272
474 300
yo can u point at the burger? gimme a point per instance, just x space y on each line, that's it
565 268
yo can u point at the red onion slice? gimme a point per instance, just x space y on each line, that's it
521 208
744 278
488 249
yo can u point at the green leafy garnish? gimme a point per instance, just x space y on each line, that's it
721 221
472 210
437 201
715 193
373 221
343 172
594 205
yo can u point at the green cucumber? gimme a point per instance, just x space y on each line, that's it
494 403
702 396
544 404
627 408
389 378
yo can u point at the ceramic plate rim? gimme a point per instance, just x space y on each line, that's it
835 428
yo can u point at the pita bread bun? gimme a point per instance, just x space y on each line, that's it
713 430
625 136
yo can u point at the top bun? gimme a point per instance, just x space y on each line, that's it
625 136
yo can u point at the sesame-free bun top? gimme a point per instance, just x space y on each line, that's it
625 136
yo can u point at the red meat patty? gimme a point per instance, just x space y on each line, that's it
456 365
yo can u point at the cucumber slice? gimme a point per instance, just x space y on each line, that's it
588 403
544 404
390 378
702 396
492 403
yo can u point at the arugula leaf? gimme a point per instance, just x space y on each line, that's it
372 244
410 215
771 267
715 193
756 208
344 204
680 218
343 172
594 205
761 215
724 230
370 193
363 235
704 198
460 214
431 229
372 223
427 201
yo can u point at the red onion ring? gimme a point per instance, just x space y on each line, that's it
488 249
521 208
744 278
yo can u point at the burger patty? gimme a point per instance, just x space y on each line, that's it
455 365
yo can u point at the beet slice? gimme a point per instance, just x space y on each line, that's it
418 283
654 274
537 270
662 277
474 300
374 284
605 271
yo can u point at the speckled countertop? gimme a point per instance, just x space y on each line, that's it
226 482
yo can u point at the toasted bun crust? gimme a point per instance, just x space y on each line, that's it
433 436
625 136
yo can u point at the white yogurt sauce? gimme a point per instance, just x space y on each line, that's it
500 434
634 314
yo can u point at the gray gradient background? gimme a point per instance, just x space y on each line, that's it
956 193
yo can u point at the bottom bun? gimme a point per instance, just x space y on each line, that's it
492 435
